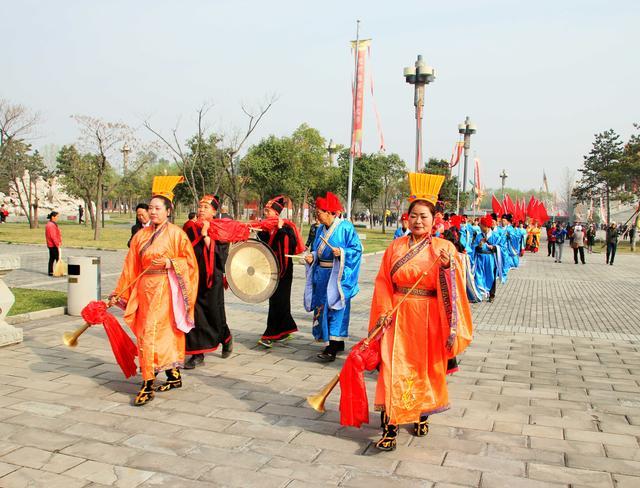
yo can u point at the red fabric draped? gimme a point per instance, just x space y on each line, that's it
122 346
224 230
354 404
271 225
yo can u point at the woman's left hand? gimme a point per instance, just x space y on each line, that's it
444 258
336 252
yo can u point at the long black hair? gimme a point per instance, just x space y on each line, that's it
53 213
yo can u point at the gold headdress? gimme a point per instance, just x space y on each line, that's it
163 186
425 187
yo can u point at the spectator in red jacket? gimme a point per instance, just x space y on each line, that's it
54 239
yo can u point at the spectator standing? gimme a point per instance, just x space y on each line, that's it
54 240
80 214
612 242
551 241
560 235
591 237
142 220
578 244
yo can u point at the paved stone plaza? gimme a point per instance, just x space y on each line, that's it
548 395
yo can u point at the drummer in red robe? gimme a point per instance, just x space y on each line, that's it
211 328
283 239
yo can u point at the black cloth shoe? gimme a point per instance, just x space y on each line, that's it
194 360
145 395
227 349
174 380
421 429
389 433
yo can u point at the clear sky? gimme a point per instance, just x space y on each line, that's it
539 78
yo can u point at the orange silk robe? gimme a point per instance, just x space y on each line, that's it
154 310
414 353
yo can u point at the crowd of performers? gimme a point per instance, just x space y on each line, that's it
172 291
490 246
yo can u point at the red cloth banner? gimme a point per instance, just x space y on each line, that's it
358 95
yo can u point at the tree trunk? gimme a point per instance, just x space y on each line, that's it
99 210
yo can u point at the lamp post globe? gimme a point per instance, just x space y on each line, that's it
419 75
466 128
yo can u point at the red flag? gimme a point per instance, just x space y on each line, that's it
508 205
495 205
354 405
122 346
530 206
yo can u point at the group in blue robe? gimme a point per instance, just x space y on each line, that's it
488 265
333 281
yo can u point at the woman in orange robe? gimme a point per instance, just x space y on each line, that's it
159 306
431 326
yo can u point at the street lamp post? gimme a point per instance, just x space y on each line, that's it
419 75
503 176
125 157
332 149
466 128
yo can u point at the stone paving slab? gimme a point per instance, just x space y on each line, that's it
534 409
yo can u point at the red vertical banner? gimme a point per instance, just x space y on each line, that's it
358 94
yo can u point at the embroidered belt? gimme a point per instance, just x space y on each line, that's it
156 271
325 264
420 292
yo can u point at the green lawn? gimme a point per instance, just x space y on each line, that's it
28 300
116 236
375 240
73 235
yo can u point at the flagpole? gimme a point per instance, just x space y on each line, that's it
353 120
458 181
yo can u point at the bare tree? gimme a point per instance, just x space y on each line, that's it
104 140
20 170
230 156
193 160
16 123
188 158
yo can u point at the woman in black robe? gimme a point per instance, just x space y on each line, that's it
282 240
211 328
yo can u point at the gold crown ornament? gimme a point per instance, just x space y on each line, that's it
163 186
425 187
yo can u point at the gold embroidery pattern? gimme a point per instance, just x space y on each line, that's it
408 396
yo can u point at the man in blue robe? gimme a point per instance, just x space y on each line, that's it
512 241
403 230
487 248
332 276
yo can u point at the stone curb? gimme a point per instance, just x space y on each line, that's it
37 315
12 243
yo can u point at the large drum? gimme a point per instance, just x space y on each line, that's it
252 271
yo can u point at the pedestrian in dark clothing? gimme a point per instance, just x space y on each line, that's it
312 234
612 242
142 220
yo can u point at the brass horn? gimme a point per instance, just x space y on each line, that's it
317 401
71 338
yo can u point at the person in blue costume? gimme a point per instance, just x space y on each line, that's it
512 241
487 249
404 229
466 236
333 267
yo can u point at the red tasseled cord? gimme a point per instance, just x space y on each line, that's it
354 404
122 346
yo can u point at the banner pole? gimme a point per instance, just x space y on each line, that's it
353 116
